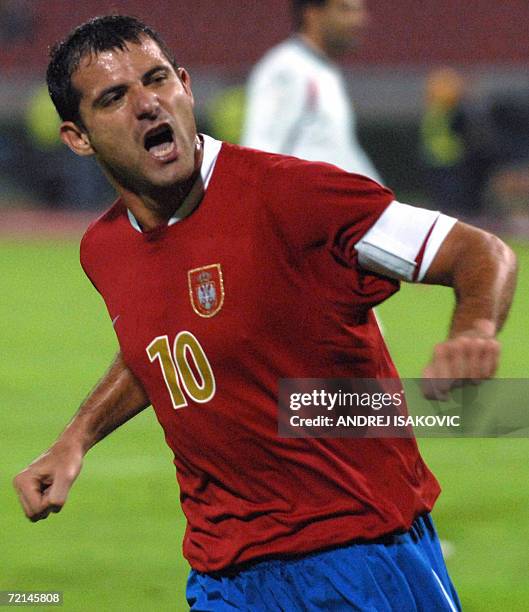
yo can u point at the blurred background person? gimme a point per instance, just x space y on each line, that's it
297 101
225 113
456 144
474 150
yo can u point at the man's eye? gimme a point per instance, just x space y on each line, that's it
159 77
111 98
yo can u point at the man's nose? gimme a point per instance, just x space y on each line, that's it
146 104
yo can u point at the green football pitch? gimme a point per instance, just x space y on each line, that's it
117 543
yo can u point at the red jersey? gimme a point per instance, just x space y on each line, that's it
260 282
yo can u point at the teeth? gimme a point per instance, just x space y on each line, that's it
162 149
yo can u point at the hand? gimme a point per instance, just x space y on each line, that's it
467 358
44 485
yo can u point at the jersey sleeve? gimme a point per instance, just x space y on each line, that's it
93 249
317 203
404 241
319 208
275 101
86 257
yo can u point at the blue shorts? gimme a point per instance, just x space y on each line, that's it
402 572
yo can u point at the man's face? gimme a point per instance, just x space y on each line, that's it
342 22
138 116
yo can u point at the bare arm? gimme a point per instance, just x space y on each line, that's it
44 485
482 271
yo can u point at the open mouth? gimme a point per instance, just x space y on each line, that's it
159 141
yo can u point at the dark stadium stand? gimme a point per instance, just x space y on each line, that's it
487 32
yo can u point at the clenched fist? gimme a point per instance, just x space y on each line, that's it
467 358
44 485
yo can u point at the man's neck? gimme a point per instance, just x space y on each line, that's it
315 43
156 207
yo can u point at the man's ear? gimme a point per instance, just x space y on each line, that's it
76 139
185 79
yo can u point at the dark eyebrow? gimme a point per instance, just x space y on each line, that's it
123 87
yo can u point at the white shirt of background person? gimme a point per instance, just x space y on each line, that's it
297 103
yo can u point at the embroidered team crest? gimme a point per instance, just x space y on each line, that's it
206 290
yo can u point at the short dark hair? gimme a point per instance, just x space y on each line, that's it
298 6
95 36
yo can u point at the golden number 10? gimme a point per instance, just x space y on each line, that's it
177 371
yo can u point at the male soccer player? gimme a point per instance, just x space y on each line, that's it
225 269
297 101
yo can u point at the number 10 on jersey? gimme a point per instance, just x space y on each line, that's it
186 370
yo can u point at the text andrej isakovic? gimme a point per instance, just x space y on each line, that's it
389 408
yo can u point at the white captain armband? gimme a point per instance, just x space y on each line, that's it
404 241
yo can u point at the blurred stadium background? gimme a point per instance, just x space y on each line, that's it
117 544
